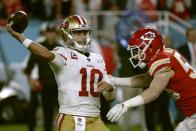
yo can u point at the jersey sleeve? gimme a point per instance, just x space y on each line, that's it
161 63
60 59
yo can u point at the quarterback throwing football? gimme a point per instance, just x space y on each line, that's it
170 72
81 76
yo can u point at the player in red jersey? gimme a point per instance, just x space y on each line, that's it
170 72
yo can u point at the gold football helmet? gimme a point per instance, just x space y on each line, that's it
76 23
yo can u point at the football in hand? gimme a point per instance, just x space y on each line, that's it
18 21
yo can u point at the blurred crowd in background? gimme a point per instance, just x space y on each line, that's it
113 22
58 9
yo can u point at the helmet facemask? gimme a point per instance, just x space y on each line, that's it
138 56
72 43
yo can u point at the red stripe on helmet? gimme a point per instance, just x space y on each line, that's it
79 19
84 21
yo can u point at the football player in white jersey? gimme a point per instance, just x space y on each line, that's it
81 76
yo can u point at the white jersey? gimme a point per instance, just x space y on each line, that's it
77 76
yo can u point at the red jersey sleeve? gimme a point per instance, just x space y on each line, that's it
161 62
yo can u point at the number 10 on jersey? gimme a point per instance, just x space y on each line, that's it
93 73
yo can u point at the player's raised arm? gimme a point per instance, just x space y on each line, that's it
35 48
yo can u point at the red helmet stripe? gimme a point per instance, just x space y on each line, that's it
83 20
80 19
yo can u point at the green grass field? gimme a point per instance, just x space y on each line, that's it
23 127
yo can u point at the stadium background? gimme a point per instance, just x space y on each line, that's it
102 20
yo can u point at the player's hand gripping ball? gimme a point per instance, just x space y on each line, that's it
18 21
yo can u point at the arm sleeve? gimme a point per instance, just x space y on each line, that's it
160 65
59 61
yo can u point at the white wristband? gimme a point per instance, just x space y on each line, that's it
134 102
27 42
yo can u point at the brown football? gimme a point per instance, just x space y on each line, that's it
18 21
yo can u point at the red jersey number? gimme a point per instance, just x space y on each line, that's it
93 72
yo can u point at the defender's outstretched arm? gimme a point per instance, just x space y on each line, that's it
138 81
